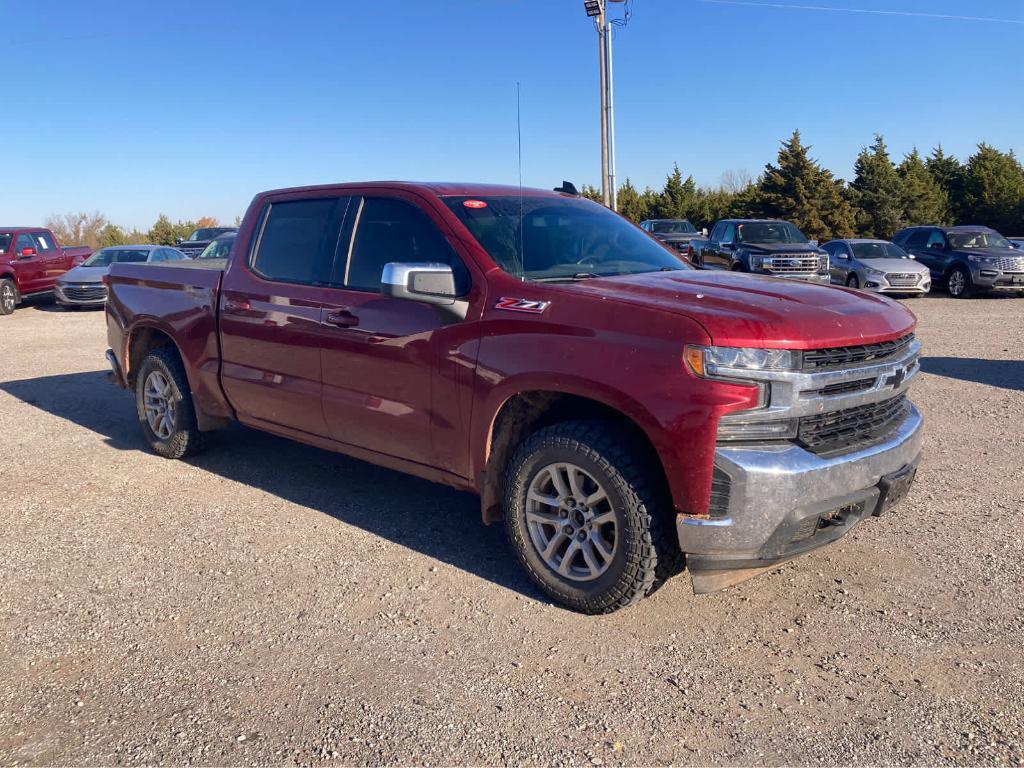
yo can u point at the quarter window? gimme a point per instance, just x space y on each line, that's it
298 240
393 231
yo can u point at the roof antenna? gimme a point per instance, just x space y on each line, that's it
519 138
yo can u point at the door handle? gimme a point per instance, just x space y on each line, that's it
342 318
236 306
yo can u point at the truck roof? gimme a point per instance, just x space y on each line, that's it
439 188
22 229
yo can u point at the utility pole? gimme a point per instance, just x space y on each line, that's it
598 10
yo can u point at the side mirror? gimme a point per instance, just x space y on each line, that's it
703 231
27 252
842 256
179 240
426 283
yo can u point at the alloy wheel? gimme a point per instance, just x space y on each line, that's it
571 522
957 283
7 298
158 404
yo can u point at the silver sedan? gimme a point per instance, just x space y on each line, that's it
876 265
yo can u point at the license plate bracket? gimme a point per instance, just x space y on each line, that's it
893 488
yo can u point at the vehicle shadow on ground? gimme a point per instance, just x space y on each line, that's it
1007 374
436 521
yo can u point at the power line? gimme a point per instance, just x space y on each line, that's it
915 14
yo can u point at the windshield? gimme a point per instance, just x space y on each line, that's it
560 238
682 226
878 251
108 256
5 243
206 233
218 249
768 232
979 239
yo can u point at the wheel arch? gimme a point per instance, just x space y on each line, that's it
523 412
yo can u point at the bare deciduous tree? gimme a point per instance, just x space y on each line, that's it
78 228
735 180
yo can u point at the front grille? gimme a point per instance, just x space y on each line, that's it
1011 264
903 279
85 292
190 252
839 357
794 264
720 487
842 388
852 428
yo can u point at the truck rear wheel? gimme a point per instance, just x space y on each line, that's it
586 518
8 296
164 403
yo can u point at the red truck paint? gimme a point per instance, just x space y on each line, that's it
404 390
33 259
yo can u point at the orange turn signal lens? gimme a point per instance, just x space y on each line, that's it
695 359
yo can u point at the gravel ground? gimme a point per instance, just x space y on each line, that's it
270 603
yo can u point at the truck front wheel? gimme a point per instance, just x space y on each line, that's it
586 518
164 404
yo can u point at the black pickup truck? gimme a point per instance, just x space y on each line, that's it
196 242
675 233
762 246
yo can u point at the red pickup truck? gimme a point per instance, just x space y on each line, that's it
623 413
31 260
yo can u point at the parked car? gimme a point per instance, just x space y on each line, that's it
876 265
83 285
965 259
219 247
762 246
1017 242
617 408
31 259
675 233
198 239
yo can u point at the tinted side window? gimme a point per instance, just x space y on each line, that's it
728 233
25 240
713 237
936 239
389 230
297 240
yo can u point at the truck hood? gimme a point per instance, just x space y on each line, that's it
82 274
740 310
677 237
780 248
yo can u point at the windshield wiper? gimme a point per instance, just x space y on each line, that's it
571 278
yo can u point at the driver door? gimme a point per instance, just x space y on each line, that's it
29 265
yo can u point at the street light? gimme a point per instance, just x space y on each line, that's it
597 9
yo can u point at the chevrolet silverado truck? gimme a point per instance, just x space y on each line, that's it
762 246
31 260
624 414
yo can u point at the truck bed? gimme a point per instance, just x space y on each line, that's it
178 299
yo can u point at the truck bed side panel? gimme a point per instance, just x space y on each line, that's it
178 299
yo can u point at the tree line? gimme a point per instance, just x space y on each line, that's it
96 231
883 197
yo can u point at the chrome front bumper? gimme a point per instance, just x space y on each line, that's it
784 500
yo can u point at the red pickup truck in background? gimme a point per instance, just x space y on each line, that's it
31 260
623 413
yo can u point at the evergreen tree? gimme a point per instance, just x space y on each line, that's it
994 190
876 192
110 235
591 192
924 200
949 175
678 197
163 232
799 190
632 204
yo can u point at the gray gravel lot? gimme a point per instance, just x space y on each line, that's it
269 603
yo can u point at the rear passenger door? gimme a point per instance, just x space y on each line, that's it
270 315
393 381
55 263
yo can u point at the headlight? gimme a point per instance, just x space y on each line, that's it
981 259
874 272
823 262
708 362
756 262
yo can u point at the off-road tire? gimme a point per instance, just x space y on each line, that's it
647 552
8 289
185 438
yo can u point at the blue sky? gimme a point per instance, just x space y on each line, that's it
191 108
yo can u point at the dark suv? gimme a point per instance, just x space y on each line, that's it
966 258
675 233
763 246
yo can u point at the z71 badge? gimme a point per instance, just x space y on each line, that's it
522 305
